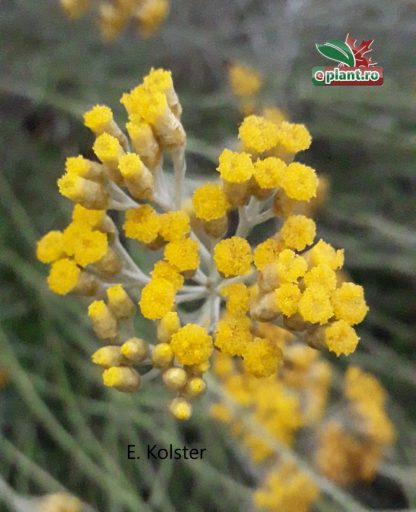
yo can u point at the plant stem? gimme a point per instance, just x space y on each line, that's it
179 165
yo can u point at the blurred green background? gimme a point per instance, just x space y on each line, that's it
59 427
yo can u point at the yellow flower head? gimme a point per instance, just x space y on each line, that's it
287 298
298 232
321 275
107 148
244 81
148 106
360 386
91 218
191 344
210 202
286 488
50 247
349 303
152 15
233 334
300 182
71 233
89 246
164 270
290 266
98 119
157 299
77 166
174 225
258 134
266 253
237 296
63 276
72 187
293 137
262 357
183 254
158 80
111 21
341 338
130 165
315 305
235 167
323 253
233 256
269 172
142 224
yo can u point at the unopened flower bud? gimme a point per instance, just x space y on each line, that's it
237 193
107 226
296 323
283 205
108 356
103 321
216 228
122 378
162 355
87 285
144 143
199 369
265 308
89 194
181 409
110 264
135 350
167 326
174 378
137 177
119 302
195 387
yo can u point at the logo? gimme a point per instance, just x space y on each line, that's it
355 67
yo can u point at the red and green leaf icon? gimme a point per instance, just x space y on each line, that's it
338 51
360 51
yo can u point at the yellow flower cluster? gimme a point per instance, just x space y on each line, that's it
286 488
279 408
352 450
202 290
114 15
302 292
287 400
